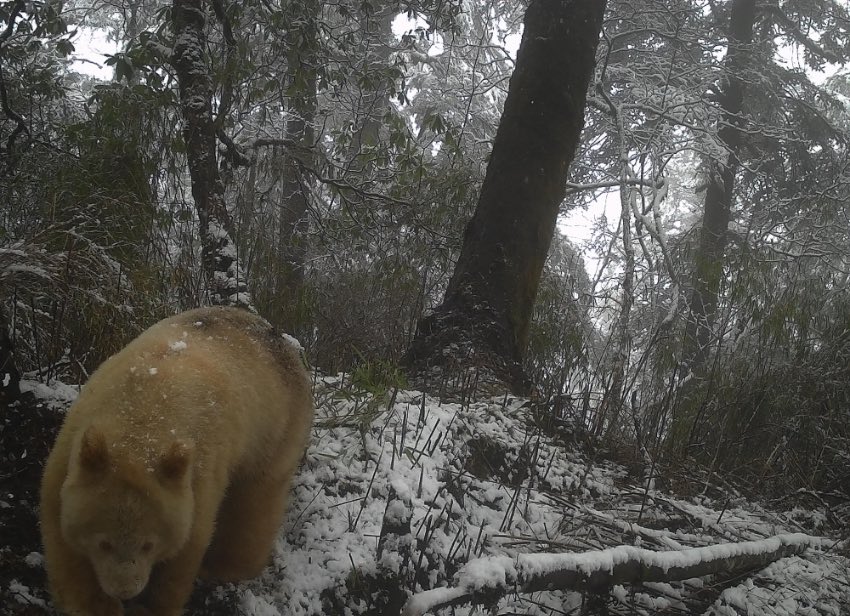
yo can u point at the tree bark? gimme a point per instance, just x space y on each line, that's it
489 300
293 210
226 284
708 259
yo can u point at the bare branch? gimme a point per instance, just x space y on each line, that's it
226 99
633 181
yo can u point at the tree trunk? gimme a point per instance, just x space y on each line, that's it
226 284
488 304
717 207
286 310
613 400
294 205
376 21
293 210
708 260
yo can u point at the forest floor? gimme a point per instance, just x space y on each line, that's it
474 481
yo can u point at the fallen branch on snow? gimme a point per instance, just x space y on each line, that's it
484 580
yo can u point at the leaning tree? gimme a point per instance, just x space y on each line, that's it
484 318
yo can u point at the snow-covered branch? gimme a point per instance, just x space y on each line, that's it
794 32
484 579
633 181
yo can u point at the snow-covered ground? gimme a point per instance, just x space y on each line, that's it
486 480
489 484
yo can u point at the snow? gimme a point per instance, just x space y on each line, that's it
178 345
396 512
489 572
24 595
489 530
492 498
241 298
56 395
418 604
795 585
18 268
293 342
258 606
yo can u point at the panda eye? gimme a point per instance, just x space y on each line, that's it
105 546
147 546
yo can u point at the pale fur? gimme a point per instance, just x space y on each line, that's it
175 461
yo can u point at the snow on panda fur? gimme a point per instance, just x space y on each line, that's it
174 462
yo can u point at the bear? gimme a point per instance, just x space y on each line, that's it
174 463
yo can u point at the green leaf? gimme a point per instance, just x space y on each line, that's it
64 47
123 68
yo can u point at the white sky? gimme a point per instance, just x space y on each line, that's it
92 47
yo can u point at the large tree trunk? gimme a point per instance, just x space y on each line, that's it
291 226
708 259
488 304
226 284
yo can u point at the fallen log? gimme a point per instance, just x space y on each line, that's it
485 580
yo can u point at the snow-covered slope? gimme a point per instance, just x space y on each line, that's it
493 478
483 487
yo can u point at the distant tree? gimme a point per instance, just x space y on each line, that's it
376 24
562 332
720 184
771 157
299 129
489 301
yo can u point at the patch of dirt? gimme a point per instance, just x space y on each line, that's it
488 460
27 430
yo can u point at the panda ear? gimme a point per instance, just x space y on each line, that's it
174 464
94 453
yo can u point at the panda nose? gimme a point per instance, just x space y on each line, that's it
126 588
125 594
